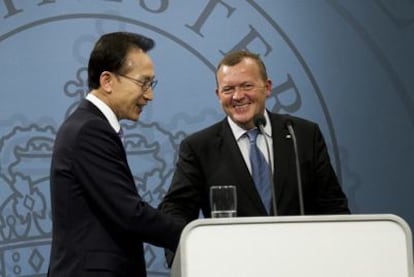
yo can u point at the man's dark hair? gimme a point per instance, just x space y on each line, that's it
110 51
236 57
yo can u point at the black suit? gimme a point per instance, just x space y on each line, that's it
212 157
99 220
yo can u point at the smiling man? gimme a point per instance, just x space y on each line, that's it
100 222
222 154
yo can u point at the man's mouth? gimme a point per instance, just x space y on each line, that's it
241 106
140 107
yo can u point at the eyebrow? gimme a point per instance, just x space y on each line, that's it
147 77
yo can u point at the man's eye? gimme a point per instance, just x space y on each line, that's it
227 89
247 86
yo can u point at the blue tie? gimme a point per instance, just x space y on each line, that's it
260 170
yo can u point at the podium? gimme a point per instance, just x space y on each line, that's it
296 246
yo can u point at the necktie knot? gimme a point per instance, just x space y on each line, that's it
252 135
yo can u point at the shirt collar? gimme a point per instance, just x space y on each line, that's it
238 132
106 110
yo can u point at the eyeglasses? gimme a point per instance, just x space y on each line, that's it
145 85
228 90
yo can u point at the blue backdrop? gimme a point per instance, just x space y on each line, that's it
347 65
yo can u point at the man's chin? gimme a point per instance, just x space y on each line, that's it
134 117
245 123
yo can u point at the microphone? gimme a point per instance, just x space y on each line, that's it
260 121
289 126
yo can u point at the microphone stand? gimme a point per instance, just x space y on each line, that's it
298 175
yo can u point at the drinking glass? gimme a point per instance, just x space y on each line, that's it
223 201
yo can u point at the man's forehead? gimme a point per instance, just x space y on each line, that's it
139 61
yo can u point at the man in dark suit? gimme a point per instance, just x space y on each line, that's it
219 154
100 222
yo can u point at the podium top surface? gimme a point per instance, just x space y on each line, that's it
293 246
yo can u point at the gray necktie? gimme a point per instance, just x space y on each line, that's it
260 170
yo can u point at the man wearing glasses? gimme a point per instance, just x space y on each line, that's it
99 219
222 154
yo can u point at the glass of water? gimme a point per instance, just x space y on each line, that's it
223 201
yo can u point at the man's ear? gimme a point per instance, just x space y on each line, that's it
268 86
106 81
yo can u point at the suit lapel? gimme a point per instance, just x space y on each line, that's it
282 147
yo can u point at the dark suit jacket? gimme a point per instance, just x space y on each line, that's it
99 220
212 157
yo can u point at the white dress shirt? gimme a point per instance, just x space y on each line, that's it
244 144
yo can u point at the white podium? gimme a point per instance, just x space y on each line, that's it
298 246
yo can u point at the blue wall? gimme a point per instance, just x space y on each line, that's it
347 65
